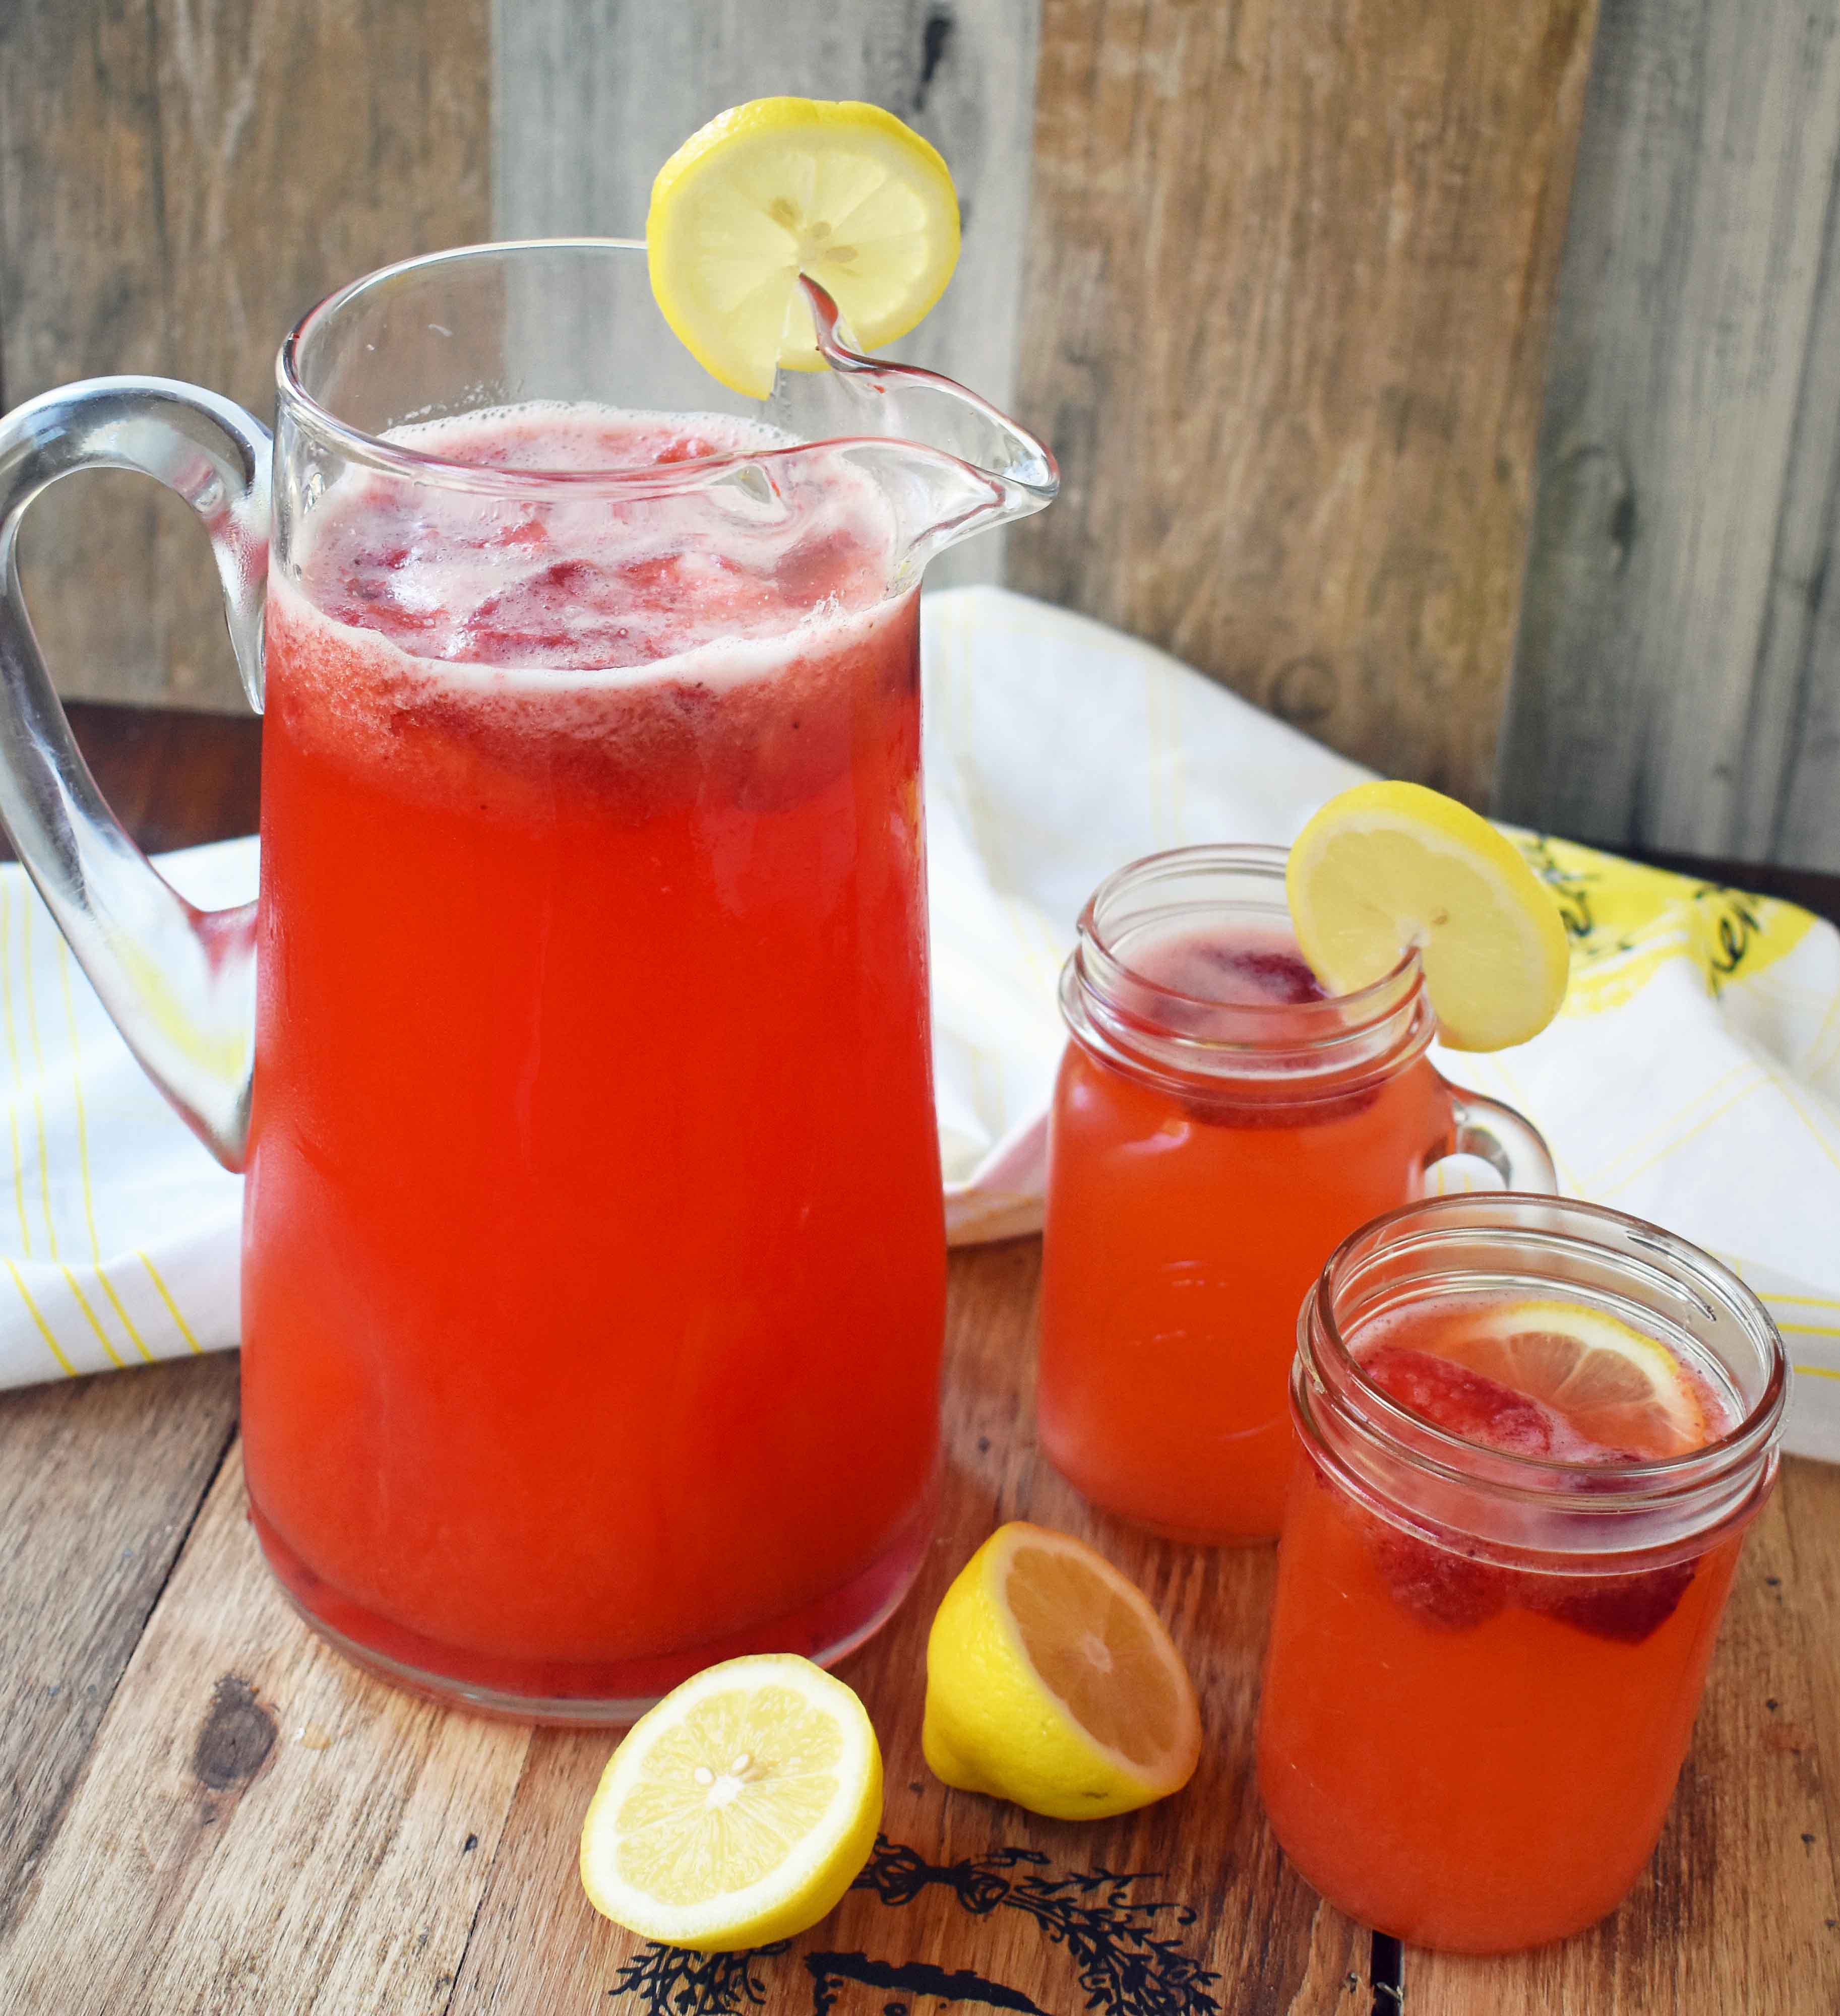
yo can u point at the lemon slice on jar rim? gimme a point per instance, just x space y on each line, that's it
1388 867
738 1810
841 191
1052 1683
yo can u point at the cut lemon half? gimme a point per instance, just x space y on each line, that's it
1051 1682
738 1810
1387 867
1614 1385
781 186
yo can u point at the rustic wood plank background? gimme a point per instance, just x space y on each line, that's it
592 95
1289 270
1276 278
180 180
1677 680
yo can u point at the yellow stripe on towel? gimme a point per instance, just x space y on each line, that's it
184 1328
19 1163
95 1245
44 1327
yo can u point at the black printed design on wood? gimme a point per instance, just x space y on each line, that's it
1127 1945
670 1981
1129 1964
831 1971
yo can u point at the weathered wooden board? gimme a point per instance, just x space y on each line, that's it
1806 1592
174 779
591 96
1290 272
259 1829
99 1481
1677 677
179 181
959 1886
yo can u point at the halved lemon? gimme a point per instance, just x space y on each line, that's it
1388 866
1614 1385
738 1810
1051 1682
781 186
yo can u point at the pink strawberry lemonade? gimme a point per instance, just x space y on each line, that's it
1186 1219
1468 1753
603 810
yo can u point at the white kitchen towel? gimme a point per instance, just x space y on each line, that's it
1694 1078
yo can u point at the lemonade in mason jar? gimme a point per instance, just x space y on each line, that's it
1531 1435
1221 1119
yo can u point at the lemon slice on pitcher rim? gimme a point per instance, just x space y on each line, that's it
1387 867
780 186
1051 1683
737 1810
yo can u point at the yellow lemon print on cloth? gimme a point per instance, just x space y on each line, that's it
1626 921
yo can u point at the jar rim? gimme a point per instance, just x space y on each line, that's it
1296 1053
1255 859
1406 1437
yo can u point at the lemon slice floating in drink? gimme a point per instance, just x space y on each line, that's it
1051 1682
738 1810
1617 1389
1387 867
781 186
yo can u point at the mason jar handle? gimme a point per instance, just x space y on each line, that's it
1511 1146
178 982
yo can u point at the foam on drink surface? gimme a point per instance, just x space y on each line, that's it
1245 965
659 627
591 580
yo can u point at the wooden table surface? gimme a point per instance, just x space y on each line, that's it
207 1811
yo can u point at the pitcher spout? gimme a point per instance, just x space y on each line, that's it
951 461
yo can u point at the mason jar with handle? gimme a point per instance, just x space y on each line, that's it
576 1047
1219 1124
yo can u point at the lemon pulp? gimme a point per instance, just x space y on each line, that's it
738 1810
1052 1683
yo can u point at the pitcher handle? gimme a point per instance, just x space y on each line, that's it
179 983
1513 1146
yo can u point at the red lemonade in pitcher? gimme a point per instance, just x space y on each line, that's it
554 788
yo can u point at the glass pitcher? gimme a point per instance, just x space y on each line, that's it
576 1047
